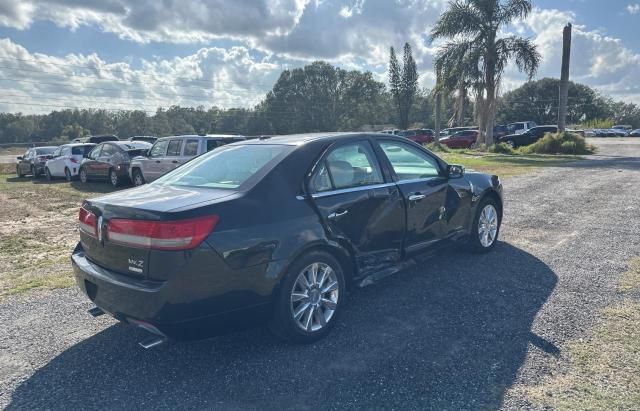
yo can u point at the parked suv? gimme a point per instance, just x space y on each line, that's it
168 153
33 160
65 161
110 161
521 127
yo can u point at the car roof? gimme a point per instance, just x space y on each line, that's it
208 136
78 144
129 145
301 139
45 147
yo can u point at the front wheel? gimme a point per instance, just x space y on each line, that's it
138 178
511 143
485 228
67 174
83 176
113 178
310 298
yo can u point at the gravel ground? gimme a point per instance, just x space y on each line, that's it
457 331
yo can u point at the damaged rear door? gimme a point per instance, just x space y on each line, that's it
358 207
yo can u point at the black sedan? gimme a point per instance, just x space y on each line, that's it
528 137
110 161
33 161
275 230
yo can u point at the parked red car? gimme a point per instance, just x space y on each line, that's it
461 139
419 135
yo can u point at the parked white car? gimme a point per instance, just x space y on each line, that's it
66 159
168 153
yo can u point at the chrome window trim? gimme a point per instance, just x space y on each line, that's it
417 180
347 190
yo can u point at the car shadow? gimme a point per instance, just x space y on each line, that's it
449 333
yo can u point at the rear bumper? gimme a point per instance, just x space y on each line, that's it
181 308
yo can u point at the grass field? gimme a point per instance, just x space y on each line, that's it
604 369
505 165
38 231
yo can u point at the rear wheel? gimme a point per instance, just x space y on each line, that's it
511 143
83 175
113 178
310 298
67 174
485 228
138 178
34 173
47 174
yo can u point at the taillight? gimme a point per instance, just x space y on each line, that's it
161 235
88 222
41 158
73 160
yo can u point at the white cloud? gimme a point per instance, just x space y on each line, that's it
633 8
210 77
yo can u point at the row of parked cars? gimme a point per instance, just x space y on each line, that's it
106 158
615 131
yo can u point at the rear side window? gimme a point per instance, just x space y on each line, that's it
226 168
347 166
408 162
191 148
174 148
108 150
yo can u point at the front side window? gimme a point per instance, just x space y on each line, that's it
408 162
173 150
159 148
353 165
228 167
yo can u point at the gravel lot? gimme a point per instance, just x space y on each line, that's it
456 331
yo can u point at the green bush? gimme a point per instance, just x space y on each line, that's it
559 143
502 148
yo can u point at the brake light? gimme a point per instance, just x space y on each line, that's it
161 235
88 222
41 158
73 160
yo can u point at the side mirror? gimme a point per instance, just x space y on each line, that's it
19 158
455 170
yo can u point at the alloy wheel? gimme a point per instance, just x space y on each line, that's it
114 178
137 179
314 297
488 225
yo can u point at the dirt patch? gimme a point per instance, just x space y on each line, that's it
38 231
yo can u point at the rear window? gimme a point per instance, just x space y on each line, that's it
81 150
137 152
228 167
46 150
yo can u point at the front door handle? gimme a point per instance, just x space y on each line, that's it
416 197
335 215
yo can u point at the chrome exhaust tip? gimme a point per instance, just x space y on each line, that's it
156 338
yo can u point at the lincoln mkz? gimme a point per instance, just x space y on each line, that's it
275 231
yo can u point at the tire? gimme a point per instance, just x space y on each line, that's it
485 227
67 175
34 173
138 178
317 318
114 179
84 178
18 172
511 143
47 174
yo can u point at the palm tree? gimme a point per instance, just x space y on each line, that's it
477 56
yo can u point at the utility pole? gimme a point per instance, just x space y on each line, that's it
564 78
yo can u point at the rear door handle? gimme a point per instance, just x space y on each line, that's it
416 197
335 215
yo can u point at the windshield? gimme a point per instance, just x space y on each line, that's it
226 167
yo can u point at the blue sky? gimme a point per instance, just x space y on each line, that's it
145 53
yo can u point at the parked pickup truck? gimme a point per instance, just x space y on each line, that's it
168 153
